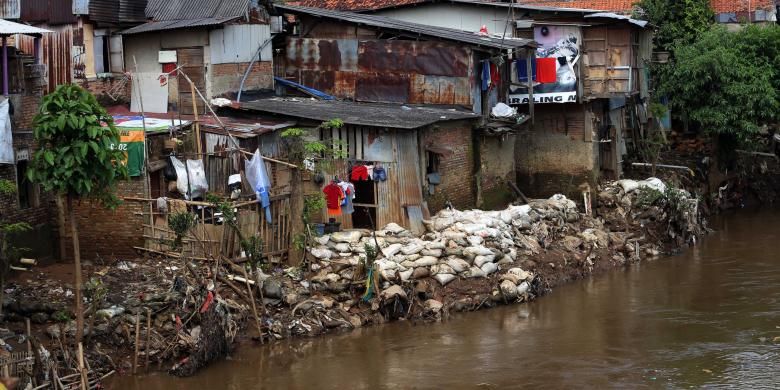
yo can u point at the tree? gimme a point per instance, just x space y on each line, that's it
678 22
77 157
728 81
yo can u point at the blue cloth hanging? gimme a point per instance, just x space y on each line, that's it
485 75
522 70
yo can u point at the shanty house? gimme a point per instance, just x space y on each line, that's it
223 46
586 117
22 77
375 59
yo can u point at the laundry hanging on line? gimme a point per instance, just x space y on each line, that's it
333 198
521 66
546 70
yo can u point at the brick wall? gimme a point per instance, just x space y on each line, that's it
556 156
101 86
226 78
110 233
456 168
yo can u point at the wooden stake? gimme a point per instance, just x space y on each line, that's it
148 333
195 112
84 383
137 337
29 334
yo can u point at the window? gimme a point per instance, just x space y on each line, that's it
432 165
107 52
27 192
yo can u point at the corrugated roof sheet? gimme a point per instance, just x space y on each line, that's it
195 9
386 23
355 5
9 9
610 15
175 24
8 27
360 114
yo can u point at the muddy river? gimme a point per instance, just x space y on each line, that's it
706 318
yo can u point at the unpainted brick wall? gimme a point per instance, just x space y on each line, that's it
100 87
226 78
110 233
457 168
555 156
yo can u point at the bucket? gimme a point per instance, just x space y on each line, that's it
319 229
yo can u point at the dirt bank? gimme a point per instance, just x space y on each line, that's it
197 309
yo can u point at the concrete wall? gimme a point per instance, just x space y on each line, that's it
226 78
558 154
461 17
456 168
497 168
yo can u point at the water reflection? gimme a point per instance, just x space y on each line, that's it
706 318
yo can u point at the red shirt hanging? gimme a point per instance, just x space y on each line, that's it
546 70
333 197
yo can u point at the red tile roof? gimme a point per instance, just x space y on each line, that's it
622 6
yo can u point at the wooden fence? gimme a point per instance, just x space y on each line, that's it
211 237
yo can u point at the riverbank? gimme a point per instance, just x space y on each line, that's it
467 260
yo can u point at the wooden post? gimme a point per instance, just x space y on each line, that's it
196 121
529 61
5 66
148 334
29 334
137 334
84 383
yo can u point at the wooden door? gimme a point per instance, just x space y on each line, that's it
191 62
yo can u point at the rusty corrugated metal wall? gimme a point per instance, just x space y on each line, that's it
383 70
47 11
56 53
10 9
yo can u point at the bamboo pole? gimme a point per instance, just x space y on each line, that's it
137 334
148 334
84 382
196 122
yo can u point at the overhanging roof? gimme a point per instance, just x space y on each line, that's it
177 24
8 28
610 15
385 23
361 114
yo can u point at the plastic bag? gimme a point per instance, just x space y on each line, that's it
190 178
169 171
198 183
259 180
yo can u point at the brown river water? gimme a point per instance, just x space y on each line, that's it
704 319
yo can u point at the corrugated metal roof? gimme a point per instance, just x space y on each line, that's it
175 24
386 23
361 114
132 10
117 11
8 27
534 6
195 9
9 9
610 15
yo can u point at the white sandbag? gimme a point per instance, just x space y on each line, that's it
475 272
458 265
412 248
426 261
522 288
480 260
321 253
405 275
628 185
392 249
443 279
509 290
489 268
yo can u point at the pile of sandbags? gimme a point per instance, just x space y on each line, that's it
457 244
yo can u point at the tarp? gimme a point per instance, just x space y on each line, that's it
132 138
6 140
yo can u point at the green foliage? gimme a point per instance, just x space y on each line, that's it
224 207
647 196
371 254
728 82
321 152
678 22
95 291
7 187
253 248
180 223
77 154
312 204
61 316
